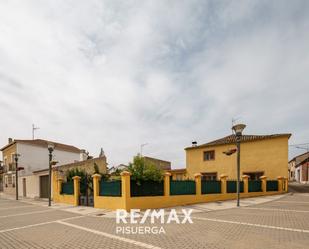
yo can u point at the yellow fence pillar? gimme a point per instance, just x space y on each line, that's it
280 183
167 176
245 179
264 183
223 179
76 180
126 189
96 186
286 184
59 186
198 183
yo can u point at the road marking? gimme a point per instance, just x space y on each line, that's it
278 209
304 202
38 224
9 208
111 236
35 212
253 224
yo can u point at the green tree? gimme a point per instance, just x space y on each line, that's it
75 172
142 170
96 168
104 177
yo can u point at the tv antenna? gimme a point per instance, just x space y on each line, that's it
33 130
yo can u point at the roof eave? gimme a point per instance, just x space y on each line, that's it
8 145
227 143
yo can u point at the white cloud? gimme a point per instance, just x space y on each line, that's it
118 74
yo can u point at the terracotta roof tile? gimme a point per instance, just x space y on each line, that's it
44 143
231 139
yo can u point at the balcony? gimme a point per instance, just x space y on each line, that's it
11 167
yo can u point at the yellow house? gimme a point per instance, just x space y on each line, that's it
260 155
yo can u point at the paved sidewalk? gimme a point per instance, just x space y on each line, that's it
265 222
202 207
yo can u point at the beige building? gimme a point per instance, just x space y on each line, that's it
160 164
87 165
299 168
33 156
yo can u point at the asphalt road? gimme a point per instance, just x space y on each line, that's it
282 223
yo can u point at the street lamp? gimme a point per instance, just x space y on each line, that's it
51 148
238 129
16 156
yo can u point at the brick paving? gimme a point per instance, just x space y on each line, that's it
281 223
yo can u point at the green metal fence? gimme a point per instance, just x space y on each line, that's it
272 185
211 187
186 187
110 188
231 186
147 188
255 186
67 188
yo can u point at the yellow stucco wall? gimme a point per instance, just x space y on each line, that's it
179 200
57 197
269 156
127 202
109 202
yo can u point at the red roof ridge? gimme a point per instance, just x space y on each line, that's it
230 139
44 143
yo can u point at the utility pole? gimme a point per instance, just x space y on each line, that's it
16 156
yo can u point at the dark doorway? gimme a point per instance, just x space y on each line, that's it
44 186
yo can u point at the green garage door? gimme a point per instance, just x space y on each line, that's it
44 186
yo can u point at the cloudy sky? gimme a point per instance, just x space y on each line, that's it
117 74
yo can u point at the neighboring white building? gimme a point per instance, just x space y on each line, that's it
299 168
34 156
